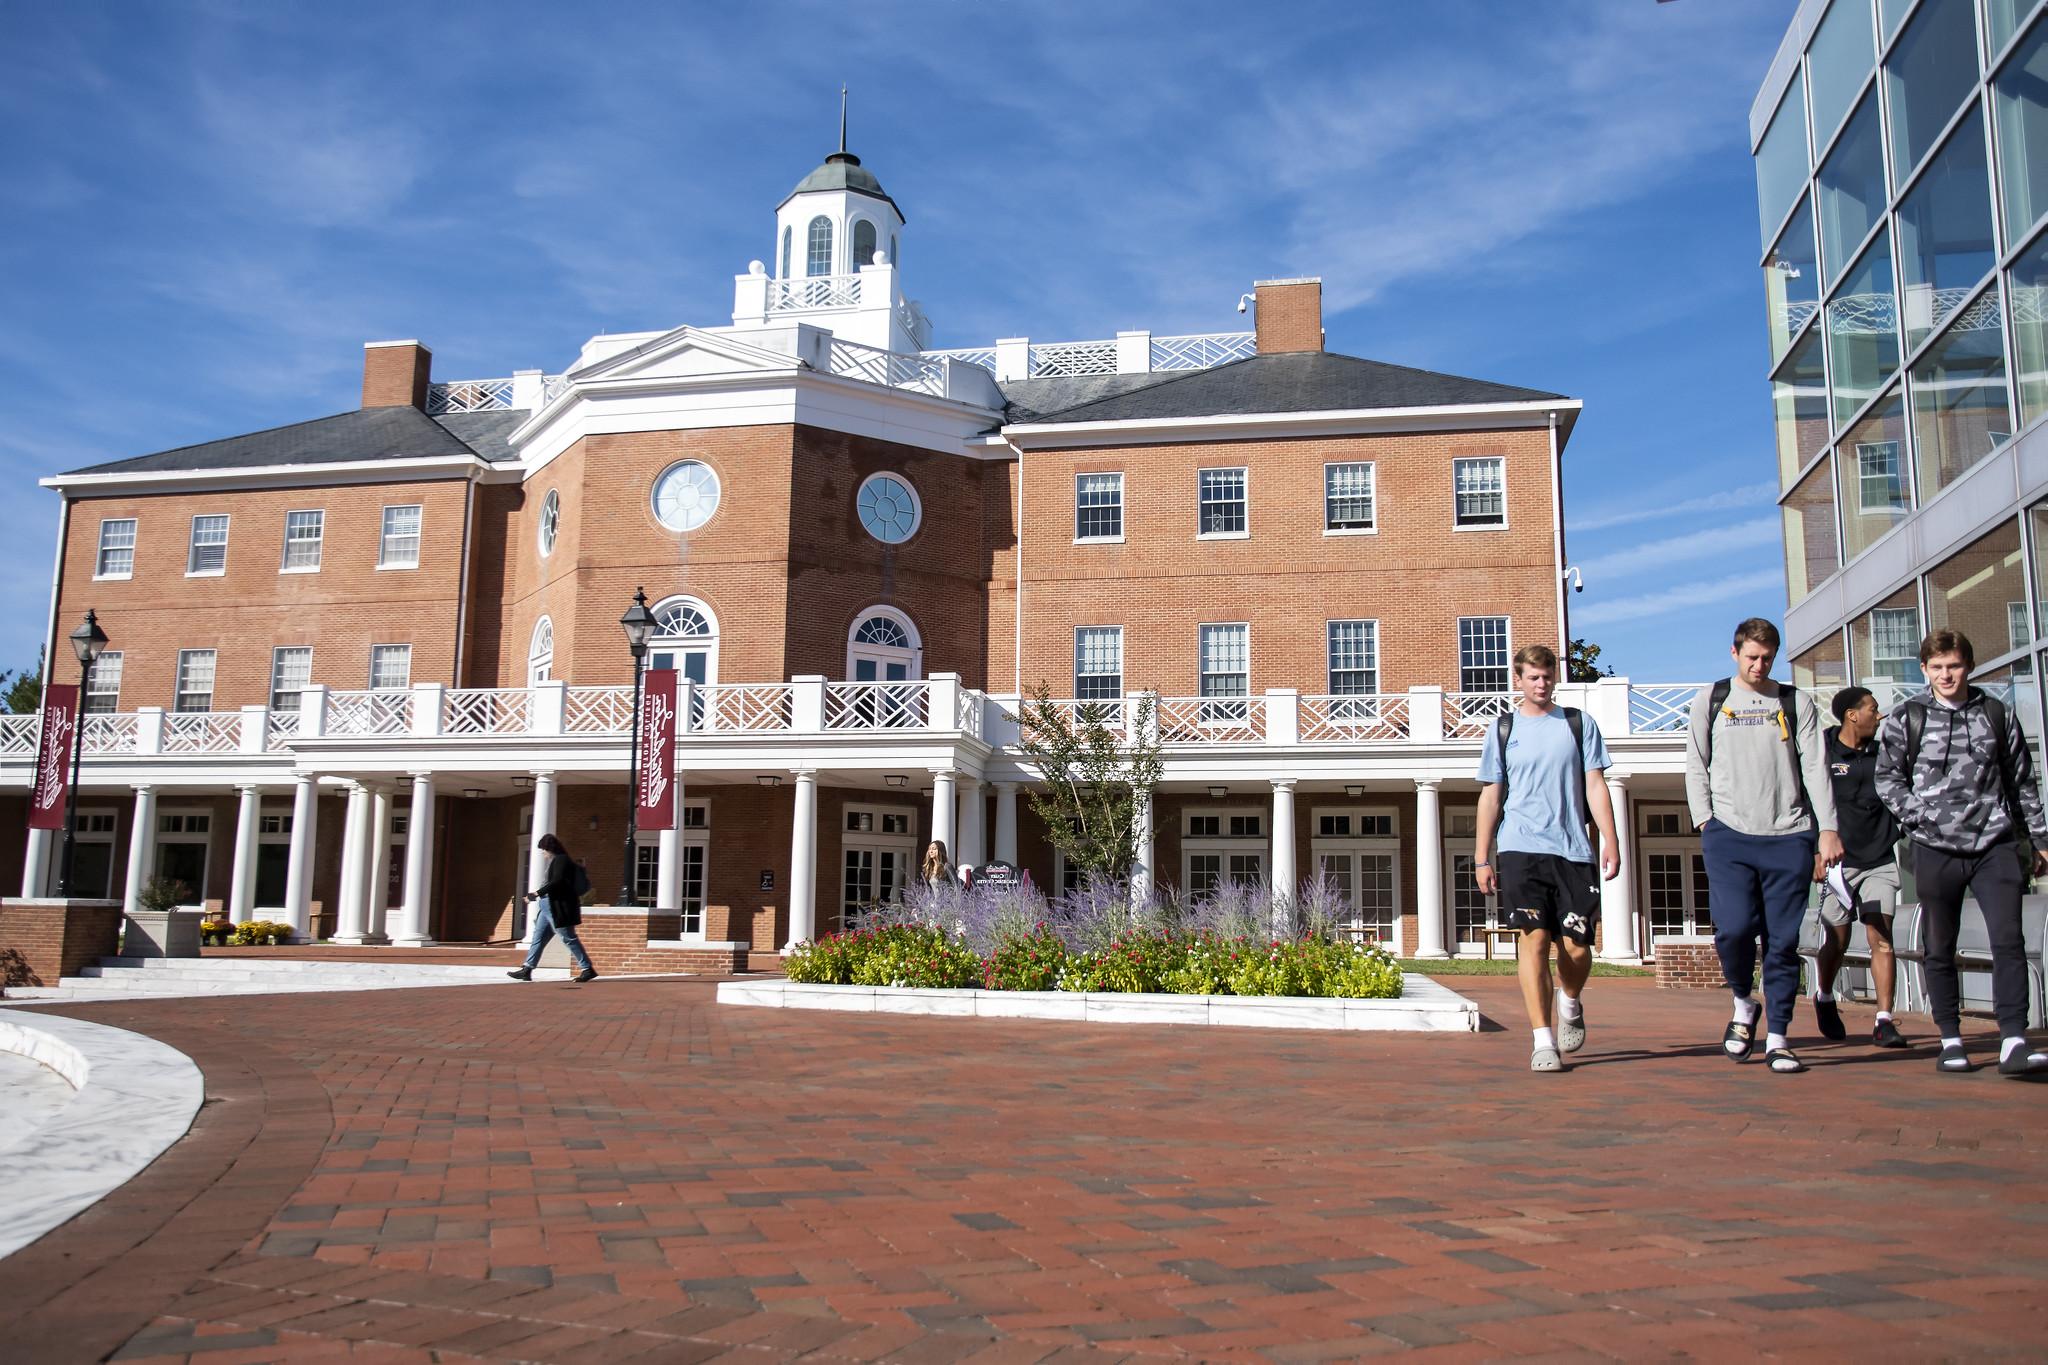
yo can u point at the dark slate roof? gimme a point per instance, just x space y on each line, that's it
1305 381
1031 400
842 171
365 434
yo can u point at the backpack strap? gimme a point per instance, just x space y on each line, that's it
1788 703
1717 697
1916 726
2001 754
1576 719
1502 728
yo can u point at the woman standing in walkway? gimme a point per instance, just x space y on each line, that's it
937 871
561 910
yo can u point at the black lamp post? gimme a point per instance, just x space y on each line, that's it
87 642
638 623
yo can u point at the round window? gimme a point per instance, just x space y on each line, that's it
550 522
889 508
685 495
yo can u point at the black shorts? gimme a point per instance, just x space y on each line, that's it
1544 891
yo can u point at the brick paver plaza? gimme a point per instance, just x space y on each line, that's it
628 1170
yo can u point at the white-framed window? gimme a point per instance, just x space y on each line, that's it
1225 510
209 550
1356 853
1483 654
1895 643
884 646
788 236
92 853
1675 890
877 858
195 680
693 821
1348 497
550 521
889 508
818 253
398 547
303 532
291 670
540 652
1225 655
103 688
1099 663
1880 486
390 668
182 838
1099 506
685 495
1222 846
686 639
1481 489
1354 655
863 244
117 549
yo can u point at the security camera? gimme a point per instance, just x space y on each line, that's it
1240 305
1572 575
1579 585
1245 301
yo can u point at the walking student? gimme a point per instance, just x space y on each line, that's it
1756 778
1543 766
1955 768
560 899
1870 868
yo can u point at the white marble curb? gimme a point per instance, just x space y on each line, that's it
1425 1006
135 1098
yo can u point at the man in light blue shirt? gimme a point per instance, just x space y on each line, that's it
1544 769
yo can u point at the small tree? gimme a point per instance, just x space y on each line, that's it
1582 663
21 693
1098 761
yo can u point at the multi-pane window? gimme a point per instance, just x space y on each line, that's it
1347 497
1877 476
1099 663
209 553
117 549
1354 657
1895 643
399 547
1481 487
1226 670
291 670
103 687
647 872
1482 654
302 533
390 667
1222 502
1098 507
818 253
195 680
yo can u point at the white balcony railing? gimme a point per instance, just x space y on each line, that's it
813 291
469 395
1211 720
1468 715
598 711
115 734
18 734
1073 358
1201 351
203 732
279 728
1354 719
486 711
921 373
369 713
875 705
742 707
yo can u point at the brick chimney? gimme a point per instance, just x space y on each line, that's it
395 374
1289 315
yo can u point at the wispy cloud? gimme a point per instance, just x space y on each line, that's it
1693 594
1658 554
1648 506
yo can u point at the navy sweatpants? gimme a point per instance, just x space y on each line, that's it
1759 885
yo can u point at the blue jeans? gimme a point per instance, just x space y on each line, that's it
545 928
1759 885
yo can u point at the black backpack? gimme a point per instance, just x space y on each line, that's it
579 879
1994 711
1788 705
1573 717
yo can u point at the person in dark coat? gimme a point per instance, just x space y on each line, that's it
560 911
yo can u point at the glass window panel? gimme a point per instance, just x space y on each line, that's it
103 686
2004 18
1884 642
1960 414
2039 516
1099 663
1098 506
1781 159
1791 280
1799 392
2015 685
1481 487
1890 12
863 244
1354 657
1863 330
1225 654
195 680
117 548
1825 665
2020 103
1871 463
302 532
1222 501
2028 287
1838 61
291 669
1347 497
1946 243
1810 548
390 667
1483 654
1931 69
1974 589
209 545
818 256
399 547
1852 193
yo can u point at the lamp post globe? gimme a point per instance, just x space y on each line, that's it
638 623
88 642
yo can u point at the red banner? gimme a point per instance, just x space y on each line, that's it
657 800
53 757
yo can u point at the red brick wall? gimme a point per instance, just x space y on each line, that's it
40 944
1689 964
1288 316
396 375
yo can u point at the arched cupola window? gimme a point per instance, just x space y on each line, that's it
788 236
892 248
863 243
819 258
540 653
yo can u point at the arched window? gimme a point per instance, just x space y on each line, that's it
540 655
819 261
863 243
686 639
892 248
883 646
788 235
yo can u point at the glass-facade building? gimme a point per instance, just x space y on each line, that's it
1902 184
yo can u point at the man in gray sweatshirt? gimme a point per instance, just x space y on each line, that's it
1756 776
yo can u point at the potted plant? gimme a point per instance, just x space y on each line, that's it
157 927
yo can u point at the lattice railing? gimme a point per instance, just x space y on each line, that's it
813 291
486 711
1661 709
915 324
18 734
279 729
1468 714
115 734
553 386
1211 720
742 707
1200 351
967 711
875 705
984 356
1052 358
872 364
203 732
469 395
352 714
1353 719
1076 713
597 711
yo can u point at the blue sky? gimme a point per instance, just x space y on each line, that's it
210 207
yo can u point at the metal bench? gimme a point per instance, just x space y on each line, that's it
1973 957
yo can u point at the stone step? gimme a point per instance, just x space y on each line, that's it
245 972
289 964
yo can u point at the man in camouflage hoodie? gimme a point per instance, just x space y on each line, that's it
1956 770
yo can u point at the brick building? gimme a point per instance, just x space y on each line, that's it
359 661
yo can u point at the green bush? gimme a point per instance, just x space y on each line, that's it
1031 961
915 955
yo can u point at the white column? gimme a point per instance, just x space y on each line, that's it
35 862
543 823
668 870
1284 877
1142 846
242 885
298 877
1006 823
1618 897
378 889
411 931
141 846
973 814
943 811
803 859
352 915
1429 871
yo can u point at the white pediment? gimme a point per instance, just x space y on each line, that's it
690 352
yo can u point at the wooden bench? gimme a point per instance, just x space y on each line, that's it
1496 932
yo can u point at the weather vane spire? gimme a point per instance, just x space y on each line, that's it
842 118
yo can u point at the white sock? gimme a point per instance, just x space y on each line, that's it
1884 1014
1568 1007
2012 1045
1824 997
1773 1041
1951 1042
1546 1038
1745 1010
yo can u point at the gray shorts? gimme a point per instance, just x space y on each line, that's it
1876 890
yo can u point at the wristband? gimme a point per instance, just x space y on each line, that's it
1477 866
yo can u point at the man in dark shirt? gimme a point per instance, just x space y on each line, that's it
1870 836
